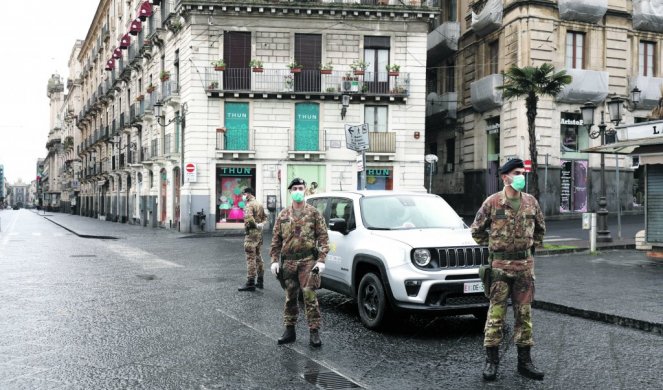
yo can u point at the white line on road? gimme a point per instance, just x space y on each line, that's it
560 239
36 234
143 258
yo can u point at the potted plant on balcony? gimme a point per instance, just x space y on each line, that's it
295 67
256 65
164 75
326 68
359 67
393 69
213 85
219 65
140 98
150 88
398 90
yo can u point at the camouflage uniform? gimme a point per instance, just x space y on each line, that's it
300 237
253 215
510 235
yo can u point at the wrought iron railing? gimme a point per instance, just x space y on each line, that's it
307 81
300 141
382 142
240 140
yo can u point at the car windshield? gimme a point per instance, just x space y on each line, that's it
393 212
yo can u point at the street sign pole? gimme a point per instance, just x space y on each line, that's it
363 171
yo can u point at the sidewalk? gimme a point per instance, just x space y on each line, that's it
615 286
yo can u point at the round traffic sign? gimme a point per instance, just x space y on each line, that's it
190 167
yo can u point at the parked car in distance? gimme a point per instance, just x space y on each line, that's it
400 252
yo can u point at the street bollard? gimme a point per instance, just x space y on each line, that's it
592 235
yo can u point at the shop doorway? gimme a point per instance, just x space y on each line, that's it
162 194
573 186
176 196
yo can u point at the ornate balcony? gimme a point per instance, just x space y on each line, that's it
588 11
488 19
648 15
650 88
382 146
281 83
484 93
587 85
235 143
443 41
444 105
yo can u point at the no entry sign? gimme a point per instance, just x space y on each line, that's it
528 165
190 173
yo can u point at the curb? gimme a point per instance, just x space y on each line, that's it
581 250
218 233
82 235
612 319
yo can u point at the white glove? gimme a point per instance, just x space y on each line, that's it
275 268
320 266
260 225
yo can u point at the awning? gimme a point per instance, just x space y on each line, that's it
110 64
145 11
117 53
652 145
125 41
136 27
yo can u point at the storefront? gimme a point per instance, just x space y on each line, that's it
574 164
377 178
230 182
493 154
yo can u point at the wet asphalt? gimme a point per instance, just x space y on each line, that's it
154 310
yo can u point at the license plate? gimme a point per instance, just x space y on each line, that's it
474 287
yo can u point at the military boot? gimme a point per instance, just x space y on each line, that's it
248 286
260 282
289 336
315 338
525 366
492 361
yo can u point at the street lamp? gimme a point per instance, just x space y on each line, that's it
615 111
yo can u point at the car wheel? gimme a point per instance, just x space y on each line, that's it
372 301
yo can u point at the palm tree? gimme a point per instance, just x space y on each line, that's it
532 82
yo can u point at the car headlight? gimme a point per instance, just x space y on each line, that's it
421 257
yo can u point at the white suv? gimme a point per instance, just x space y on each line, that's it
400 251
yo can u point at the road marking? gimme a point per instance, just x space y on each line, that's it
36 234
560 239
138 256
11 227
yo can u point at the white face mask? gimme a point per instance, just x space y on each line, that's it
244 197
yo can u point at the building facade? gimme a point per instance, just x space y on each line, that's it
609 47
179 105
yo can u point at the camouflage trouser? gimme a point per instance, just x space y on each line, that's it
297 274
519 285
254 263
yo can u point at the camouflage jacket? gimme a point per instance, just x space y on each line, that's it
298 234
253 215
505 230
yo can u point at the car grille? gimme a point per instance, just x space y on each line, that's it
462 257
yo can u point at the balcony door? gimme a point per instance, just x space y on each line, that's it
237 55
237 126
307 126
376 55
308 53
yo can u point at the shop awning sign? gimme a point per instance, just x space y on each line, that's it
356 137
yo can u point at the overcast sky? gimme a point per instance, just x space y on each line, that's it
36 39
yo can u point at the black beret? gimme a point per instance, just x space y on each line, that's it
511 165
248 190
296 182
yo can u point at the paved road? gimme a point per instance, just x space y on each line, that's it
156 311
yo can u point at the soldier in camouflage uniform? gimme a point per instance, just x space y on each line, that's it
254 220
511 223
300 239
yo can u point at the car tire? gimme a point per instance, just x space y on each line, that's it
372 301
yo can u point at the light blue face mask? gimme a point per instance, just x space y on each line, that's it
244 197
297 196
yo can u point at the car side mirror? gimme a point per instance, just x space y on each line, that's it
338 225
